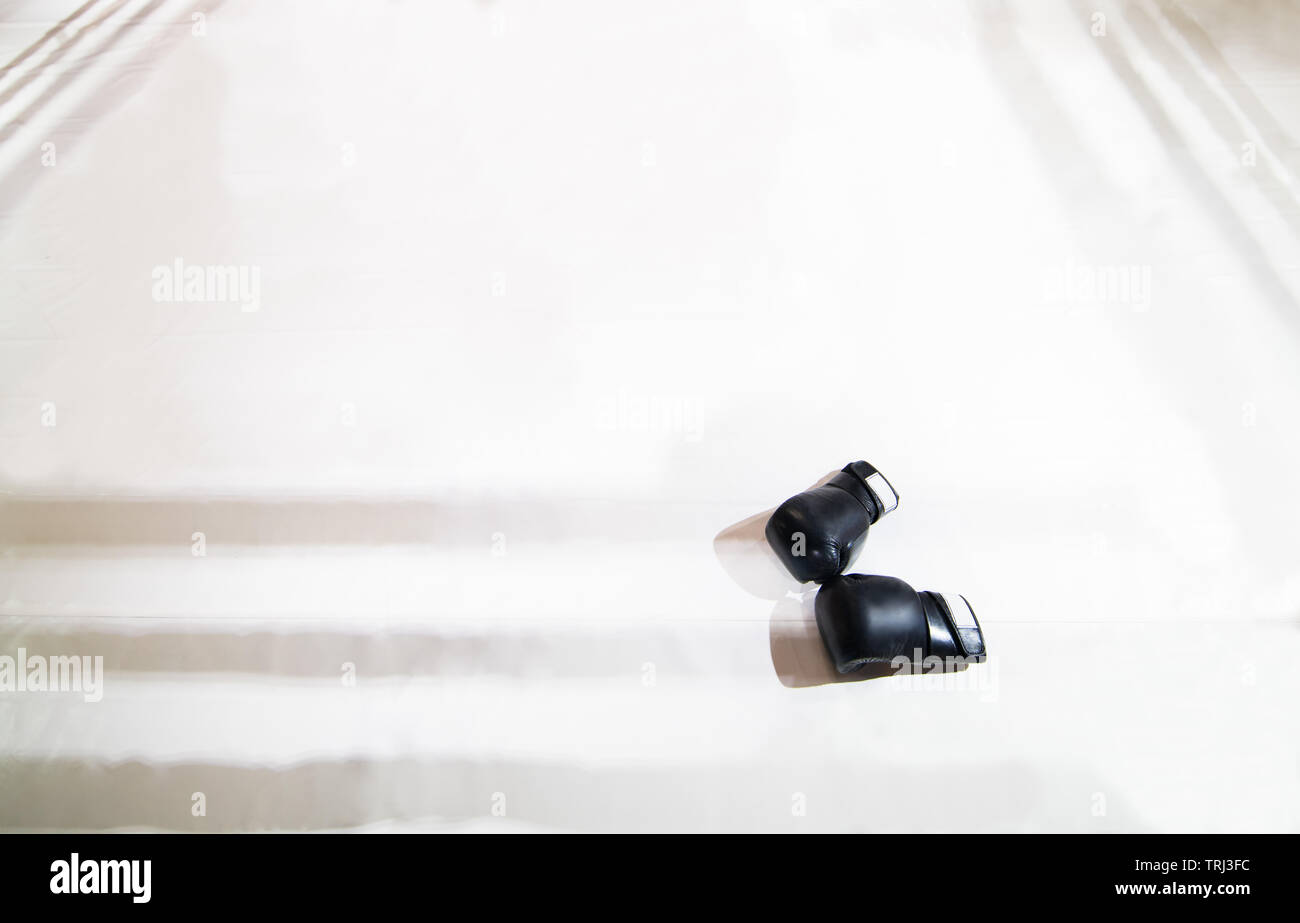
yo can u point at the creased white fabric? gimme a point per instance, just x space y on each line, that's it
445 513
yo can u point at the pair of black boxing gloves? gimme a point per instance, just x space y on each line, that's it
867 619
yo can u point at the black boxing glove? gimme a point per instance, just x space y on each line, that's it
879 619
817 532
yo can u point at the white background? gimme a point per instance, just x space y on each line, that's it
557 299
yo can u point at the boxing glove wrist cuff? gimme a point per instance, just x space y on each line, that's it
954 630
869 487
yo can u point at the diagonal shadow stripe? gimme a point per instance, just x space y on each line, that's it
1215 112
1272 132
1218 208
126 78
47 37
53 60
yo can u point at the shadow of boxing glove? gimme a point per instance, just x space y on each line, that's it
816 533
866 620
